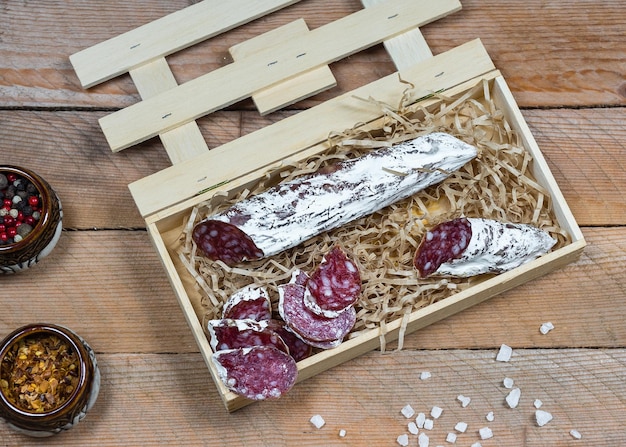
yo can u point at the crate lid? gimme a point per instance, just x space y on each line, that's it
275 69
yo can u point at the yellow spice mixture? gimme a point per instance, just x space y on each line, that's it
39 373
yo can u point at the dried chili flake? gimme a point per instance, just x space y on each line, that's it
39 373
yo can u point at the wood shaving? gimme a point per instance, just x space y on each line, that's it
498 184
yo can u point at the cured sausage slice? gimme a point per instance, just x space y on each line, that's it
298 349
292 212
250 302
306 324
231 334
335 285
467 247
258 372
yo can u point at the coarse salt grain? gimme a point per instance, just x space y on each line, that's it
513 397
485 433
461 427
575 434
318 421
477 444
423 440
342 433
546 327
538 403
542 417
425 375
408 411
465 401
413 429
451 438
504 354
429 424
508 382
490 417
419 420
403 440
435 412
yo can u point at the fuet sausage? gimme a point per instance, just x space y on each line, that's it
467 247
292 212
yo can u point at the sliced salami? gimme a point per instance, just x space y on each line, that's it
250 302
231 334
306 324
467 247
292 212
334 286
298 349
258 372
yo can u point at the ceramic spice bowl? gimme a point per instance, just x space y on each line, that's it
49 379
30 219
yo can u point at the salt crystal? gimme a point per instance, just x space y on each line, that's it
546 327
542 417
436 412
460 427
413 429
477 444
419 420
425 375
575 434
538 403
465 401
423 440
504 355
490 416
513 398
508 383
408 411
485 433
451 438
429 424
318 421
342 433
403 440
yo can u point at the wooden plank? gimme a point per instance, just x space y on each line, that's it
165 36
184 142
406 49
582 389
292 90
137 304
592 181
163 189
239 80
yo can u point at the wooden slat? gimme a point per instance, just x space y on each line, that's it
184 142
170 186
240 80
291 90
165 36
406 49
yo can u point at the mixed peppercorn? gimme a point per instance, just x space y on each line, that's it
39 373
21 208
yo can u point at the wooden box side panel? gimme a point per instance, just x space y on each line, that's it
504 100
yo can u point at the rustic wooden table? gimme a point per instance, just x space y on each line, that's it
564 61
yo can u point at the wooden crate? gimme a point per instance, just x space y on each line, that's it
166 199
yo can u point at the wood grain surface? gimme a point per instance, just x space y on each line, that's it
564 62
